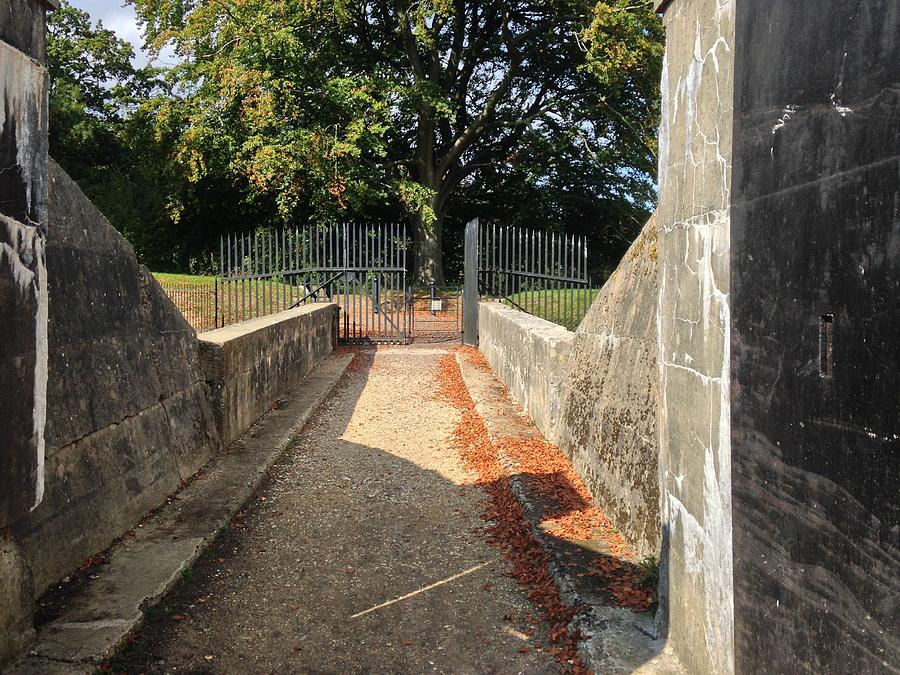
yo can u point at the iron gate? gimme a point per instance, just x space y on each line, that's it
436 315
360 267
539 272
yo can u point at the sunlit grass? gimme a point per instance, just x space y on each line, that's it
184 279
566 307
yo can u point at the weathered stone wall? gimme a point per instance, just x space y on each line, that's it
780 264
609 397
816 233
127 412
128 405
23 225
530 356
594 392
250 365
693 324
23 298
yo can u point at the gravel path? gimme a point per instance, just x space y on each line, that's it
359 554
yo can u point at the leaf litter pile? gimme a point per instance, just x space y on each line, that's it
574 517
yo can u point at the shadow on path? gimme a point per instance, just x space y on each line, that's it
358 554
364 550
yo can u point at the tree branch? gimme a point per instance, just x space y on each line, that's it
412 49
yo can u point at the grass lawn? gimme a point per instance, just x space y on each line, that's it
184 279
565 307
197 299
194 295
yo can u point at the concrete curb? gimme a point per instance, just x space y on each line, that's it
619 640
144 565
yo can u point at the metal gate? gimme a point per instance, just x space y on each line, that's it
360 267
436 315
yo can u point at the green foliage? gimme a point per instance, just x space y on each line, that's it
527 112
92 81
625 45
329 110
98 127
93 89
624 41
649 572
106 132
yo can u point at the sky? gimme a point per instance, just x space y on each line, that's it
120 18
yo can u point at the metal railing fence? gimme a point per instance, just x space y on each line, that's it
541 273
361 267
198 302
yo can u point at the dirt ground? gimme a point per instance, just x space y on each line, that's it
359 554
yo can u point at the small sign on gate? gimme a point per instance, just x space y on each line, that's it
437 305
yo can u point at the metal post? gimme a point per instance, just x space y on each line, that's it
470 297
216 304
345 232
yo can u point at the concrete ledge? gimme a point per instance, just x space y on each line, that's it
249 365
530 355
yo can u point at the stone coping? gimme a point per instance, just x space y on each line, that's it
530 322
237 330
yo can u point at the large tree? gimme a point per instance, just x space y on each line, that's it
341 107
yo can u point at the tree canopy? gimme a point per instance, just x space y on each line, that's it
104 133
512 109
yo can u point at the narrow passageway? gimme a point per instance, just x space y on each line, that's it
360 553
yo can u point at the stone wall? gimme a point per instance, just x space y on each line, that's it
250 365
609 397
779 239
594 392
23 297
693 324
127 412
530 356
23 226
129 417
815 322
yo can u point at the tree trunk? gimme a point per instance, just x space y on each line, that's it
428 242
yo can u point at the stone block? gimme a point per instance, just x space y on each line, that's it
529 355
250 365
16 601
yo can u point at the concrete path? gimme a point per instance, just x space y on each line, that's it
359 554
